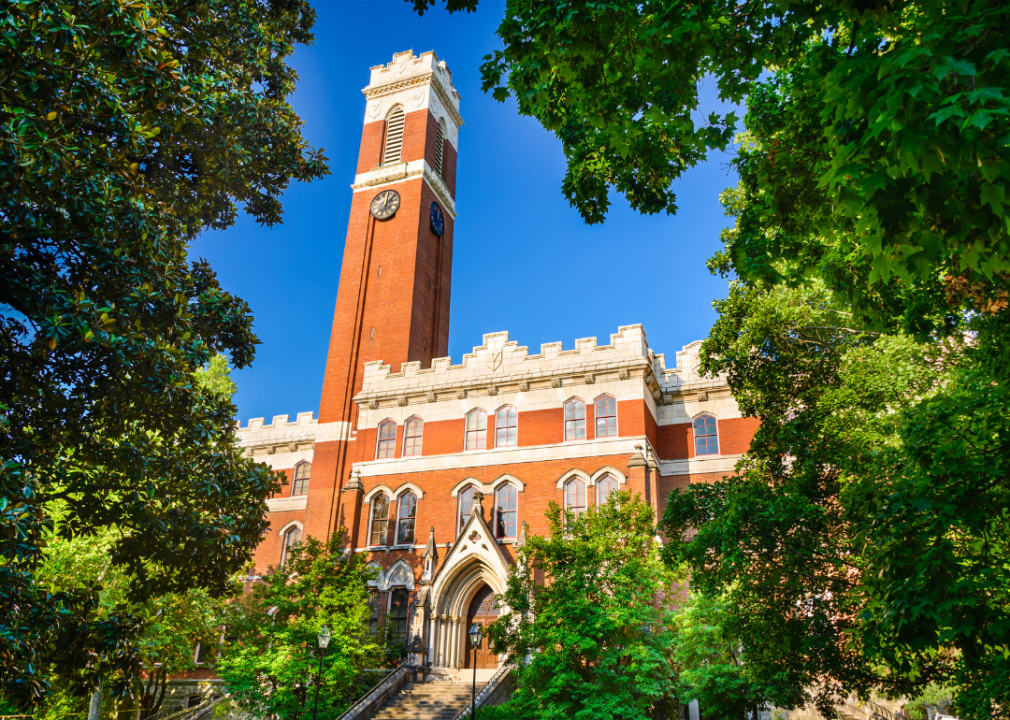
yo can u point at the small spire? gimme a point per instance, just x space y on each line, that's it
429 549
522 537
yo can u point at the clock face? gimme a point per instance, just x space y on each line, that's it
437 221
385 204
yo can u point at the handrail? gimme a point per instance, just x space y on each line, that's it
488 688
166 713
873 710
361 701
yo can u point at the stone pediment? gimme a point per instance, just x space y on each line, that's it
475 543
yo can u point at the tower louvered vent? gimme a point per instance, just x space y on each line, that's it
394 137
439 142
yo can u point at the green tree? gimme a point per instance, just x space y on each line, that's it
270 664
587 618
126 129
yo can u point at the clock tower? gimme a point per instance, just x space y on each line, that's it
393 297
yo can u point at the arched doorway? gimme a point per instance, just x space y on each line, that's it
483 611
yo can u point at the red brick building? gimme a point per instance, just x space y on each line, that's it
439 471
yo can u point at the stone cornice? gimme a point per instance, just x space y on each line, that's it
402 172
429 78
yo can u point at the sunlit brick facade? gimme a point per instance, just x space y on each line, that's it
439 471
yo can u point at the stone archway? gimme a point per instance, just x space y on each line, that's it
483 611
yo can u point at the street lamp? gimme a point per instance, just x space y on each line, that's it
324 640
475 636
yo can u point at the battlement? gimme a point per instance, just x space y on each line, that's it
404 67
500 360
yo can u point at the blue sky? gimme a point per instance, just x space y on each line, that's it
524 261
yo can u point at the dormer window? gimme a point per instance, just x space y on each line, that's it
394 136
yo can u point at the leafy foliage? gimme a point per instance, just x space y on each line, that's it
270 665
582 612
125 130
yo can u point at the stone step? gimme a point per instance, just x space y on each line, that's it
427 701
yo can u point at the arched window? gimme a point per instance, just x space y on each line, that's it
379 520
439 143
506 427
575 420
575 496
406 513
398 606
386 447
292 536
706 439
606 416
412 432
604 486
465 506
394 136
506 504
301 484
476 430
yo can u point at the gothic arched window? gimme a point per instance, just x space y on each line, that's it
301 484
476 430
439 145
405 516
606 416
466 505
412 432
575 496
394 136
379 521
575 420
292 536
506 504
706 437
604 486
386 446
506 427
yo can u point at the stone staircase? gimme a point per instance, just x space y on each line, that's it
427 701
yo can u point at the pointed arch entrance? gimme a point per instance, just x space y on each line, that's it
483 611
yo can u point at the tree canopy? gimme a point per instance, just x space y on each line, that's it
126 129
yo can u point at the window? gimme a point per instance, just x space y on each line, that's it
476 430
405 519
604 486
575 496
373 606
394 136
606 416
506 426
412 432
506 502
575 420
380 520
301 486
439 143
291 537
386 447
706 441
465 506
398 614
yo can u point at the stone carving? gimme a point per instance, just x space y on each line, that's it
667 399
524 387
702 395
292 447
623 375
401 401
374 108
556 383
590 379
432 397
492 389
271 450
656 393
373 404
461 393
249 452
419 98
477 508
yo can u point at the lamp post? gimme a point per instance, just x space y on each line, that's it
475 635
324 639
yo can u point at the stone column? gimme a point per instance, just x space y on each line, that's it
454 639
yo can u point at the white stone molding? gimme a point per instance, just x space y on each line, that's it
506 479
379 177
608 470
556 382
406 79
399 574
404 487
288 525
377 580
287 504
378 490
488 488
574 472
462 485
